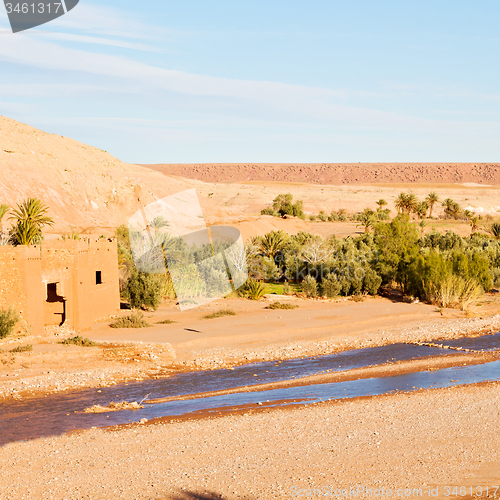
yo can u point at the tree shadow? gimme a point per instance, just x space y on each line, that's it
391 294
196 495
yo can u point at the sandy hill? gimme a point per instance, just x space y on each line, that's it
86 189
338 173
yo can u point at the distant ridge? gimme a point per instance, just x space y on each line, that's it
337 173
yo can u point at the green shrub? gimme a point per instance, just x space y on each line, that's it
310 286
333 216
331 286
269 211
134 320
322 216
166 322
287 290
283 205
279 305
253 289
371 282
342 217
23 348
312 217
219 314
143 290
83 342
8 320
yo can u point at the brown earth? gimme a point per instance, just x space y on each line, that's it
337 173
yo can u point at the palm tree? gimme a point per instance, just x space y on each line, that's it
159 223
400 202
367 219
381 203
432 199
474 224
421 209
3 211
422 225
272 243
406 203
451 208
495 230
30 217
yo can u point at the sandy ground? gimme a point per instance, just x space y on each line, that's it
429 439
253 334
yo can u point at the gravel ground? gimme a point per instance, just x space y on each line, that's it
417 440
148 359
424 332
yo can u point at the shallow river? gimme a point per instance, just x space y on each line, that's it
59 413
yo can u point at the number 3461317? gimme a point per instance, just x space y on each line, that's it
33 8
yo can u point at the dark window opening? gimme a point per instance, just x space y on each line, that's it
98 277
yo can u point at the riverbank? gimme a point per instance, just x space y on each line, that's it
254 333
418 440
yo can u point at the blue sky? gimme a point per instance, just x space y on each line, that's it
263 81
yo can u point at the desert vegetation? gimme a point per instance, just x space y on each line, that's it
220 314
281 305
133 320
443 269
80 341
283 206
8 320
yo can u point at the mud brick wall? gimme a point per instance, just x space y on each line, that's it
104 297
20 285
75 281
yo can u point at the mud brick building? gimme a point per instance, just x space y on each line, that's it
71 282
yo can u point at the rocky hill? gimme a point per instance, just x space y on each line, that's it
338 173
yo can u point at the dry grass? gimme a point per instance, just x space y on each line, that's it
453 291
280 305
134 320
80 341
23 348
219 314
166 322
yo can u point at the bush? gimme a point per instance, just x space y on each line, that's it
23 348
143 290
371 282
333 216
253 289
8 320
322 216
81 341
269 211
283 205
331 286
134 320
312 217
310 286
287 290
166 322
219 314
279 305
